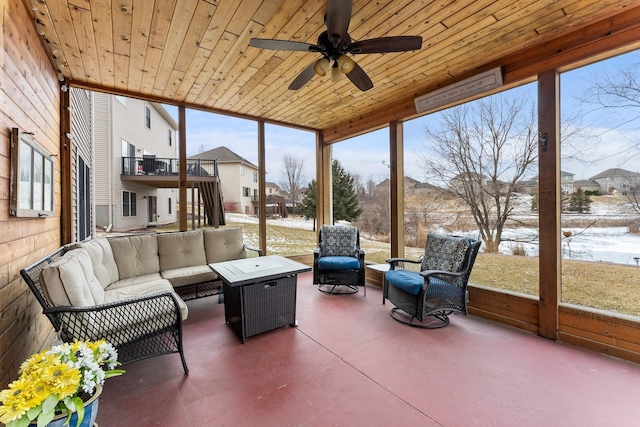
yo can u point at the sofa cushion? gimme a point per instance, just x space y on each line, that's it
189 275
104 265
339 240
144 289
132 281
338 263
408 281
223 244
179 250
136 255
445 253
70 281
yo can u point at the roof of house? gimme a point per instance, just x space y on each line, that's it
615 172
585 183
222 155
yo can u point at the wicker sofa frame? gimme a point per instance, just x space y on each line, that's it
135 340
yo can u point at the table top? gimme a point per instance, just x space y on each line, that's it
249 270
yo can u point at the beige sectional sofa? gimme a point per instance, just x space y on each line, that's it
127 289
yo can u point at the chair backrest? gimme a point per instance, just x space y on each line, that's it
339 240
446 253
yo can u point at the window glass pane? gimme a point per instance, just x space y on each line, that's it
125 204
26 160
361 190
134 203
472 170
48 185
600 192
37 181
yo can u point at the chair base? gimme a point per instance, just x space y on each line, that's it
435 320
350 289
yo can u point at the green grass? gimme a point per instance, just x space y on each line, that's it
599 285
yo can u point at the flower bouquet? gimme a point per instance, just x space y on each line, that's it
58 381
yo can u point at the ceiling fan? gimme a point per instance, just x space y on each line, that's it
334 44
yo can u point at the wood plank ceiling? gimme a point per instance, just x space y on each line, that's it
196 51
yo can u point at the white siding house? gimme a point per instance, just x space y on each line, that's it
238 179
124 129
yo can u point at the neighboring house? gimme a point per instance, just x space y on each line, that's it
272 189
423 188
616 181
587 185
238 179
566 182
132 137
408 183
476 181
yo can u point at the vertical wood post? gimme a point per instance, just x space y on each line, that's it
549 202
262 196
324 183
182 168
396 187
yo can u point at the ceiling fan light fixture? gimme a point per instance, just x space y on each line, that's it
322 66
346 64
336 74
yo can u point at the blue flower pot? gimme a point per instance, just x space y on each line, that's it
90 414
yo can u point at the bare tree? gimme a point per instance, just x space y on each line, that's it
292 176
480 152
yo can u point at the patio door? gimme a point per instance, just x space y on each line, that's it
153 209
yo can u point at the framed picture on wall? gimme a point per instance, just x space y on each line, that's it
32 177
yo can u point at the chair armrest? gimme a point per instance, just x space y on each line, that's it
399 264
457 279
253 249
120 322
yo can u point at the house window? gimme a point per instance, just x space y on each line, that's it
255 177
32 177
246 191
241 170
169 205
129 203
147 117
170 137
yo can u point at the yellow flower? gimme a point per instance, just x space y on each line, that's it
13 400
64 379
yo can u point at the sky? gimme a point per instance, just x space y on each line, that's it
600 146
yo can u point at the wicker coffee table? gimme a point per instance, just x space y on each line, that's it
259 293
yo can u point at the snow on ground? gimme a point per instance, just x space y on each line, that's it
291 222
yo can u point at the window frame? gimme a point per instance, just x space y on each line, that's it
129 204
26 198
147 117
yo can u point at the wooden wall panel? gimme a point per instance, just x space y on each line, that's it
600 331
30 100
510 308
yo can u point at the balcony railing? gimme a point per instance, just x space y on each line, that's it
151 165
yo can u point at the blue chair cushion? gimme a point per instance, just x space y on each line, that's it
338 263
408 281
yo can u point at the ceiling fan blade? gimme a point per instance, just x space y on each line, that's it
281 45
386 44
359 78
337 20
303 77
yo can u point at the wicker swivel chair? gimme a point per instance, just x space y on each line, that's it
437 286
338 261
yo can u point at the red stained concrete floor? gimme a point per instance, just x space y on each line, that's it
348 363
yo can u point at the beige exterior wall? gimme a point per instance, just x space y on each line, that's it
124 122
234 178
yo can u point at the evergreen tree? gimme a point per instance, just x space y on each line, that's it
579 201
308 205
345 196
